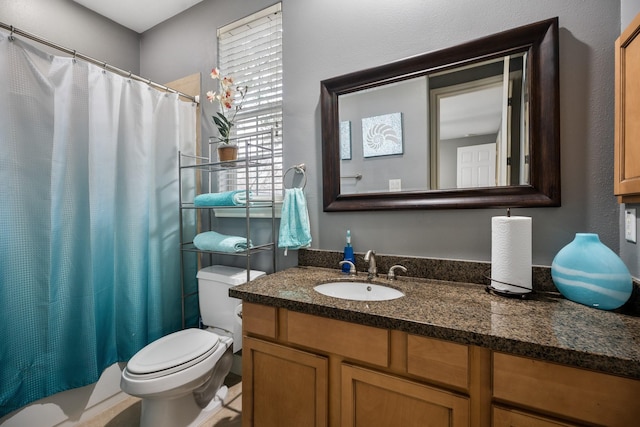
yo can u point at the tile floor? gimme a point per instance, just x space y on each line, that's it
127 413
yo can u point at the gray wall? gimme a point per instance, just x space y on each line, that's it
187 44
327 38
412 166
629 252
70 25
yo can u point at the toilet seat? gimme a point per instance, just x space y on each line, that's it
172 353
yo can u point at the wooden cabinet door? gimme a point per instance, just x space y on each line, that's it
374 399
503 417
282 387
627 111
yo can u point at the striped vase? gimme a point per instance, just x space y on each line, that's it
589 273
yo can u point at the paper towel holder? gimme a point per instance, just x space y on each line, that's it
503 292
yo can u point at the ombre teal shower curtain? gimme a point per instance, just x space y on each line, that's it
89 247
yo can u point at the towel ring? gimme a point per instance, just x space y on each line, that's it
301 168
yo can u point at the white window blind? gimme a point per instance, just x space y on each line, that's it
250 51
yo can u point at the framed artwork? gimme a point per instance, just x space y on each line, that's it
345 140
382 135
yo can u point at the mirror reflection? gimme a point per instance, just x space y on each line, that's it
465 127
470 126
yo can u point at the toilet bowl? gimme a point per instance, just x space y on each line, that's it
180 376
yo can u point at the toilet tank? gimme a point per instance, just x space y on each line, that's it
217 308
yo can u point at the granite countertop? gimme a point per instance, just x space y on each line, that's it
545 326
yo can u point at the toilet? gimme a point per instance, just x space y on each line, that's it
180 376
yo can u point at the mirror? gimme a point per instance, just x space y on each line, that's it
475 125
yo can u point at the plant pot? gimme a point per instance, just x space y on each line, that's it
227 153
588 272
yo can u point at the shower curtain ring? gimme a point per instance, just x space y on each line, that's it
11 38
74 57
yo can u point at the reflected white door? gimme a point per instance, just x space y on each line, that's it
476 166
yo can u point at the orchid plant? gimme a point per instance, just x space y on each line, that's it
226 96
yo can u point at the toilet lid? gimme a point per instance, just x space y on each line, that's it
174 352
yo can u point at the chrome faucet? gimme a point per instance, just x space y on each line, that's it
370 257
391 275
352 267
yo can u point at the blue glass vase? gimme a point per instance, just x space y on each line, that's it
589 273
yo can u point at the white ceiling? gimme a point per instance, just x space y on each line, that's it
477 112
138 15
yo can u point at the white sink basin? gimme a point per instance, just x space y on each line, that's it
358 291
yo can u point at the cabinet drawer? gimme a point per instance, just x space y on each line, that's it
259 319
566 391
438 360
363 343
503 417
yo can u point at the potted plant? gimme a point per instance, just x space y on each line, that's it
226 96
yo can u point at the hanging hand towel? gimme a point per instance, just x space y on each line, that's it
212 241
228 198
295 232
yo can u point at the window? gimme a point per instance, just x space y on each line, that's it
250 50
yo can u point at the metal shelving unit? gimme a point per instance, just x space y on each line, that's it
256 162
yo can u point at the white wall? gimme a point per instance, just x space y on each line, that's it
327 38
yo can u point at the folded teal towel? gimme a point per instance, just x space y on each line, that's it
212 241
295 231
227 198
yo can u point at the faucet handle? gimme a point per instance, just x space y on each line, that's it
392 273
352 267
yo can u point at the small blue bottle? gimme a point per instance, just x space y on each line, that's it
348 253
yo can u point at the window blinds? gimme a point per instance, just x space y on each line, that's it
250 50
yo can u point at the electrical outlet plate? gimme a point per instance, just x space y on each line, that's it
630 225
395 185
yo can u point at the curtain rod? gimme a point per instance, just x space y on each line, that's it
104 65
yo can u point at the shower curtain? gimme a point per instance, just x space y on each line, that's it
89 221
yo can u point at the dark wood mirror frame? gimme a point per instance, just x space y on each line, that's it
541 41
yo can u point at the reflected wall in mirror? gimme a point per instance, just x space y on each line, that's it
475 125
478 125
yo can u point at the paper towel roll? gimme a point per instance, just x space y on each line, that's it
511 253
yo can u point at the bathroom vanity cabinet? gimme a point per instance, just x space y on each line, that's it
303 369
314 371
